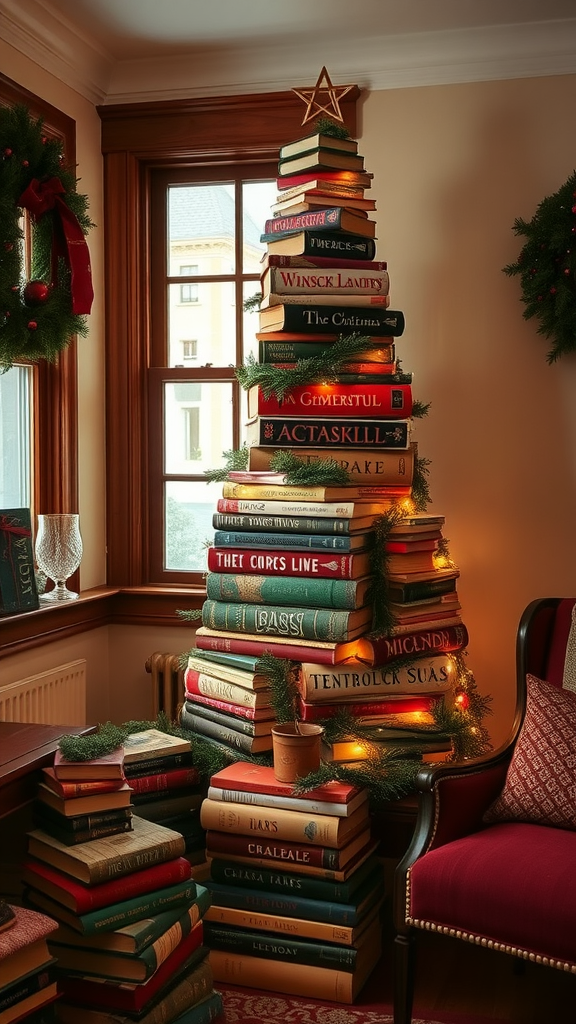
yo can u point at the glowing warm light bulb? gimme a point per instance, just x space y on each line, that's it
462 700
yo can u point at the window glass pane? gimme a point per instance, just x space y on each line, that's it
257 198
201 228
189 509
210 320
197 426
15 437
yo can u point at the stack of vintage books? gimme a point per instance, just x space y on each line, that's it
295 570
128 915
296 886
27 975
165 785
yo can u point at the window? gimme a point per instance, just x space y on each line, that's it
230 143
190 349
188 292
200 410
16 403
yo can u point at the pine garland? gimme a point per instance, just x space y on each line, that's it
547 268
420 486
33 327
322 369
387 774
234 459
324 472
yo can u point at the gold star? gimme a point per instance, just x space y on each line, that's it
331 94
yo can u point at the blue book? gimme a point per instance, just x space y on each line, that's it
288 905
312 542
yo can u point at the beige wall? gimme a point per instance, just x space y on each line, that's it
454 166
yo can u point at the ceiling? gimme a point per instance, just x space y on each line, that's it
120 50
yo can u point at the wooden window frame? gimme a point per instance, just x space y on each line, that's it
55 388
135 139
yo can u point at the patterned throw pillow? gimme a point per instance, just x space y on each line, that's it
540 785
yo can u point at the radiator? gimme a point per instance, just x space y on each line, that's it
167 683
56 697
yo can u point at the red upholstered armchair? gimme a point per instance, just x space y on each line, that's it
493 857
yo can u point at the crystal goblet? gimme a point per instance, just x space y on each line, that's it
58 552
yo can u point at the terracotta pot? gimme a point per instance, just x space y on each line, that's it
296 749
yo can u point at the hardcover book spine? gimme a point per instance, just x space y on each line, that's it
27 986
317 684
377 712
421 591
275 299
18 591
326 281
302 590
165 781
336 319
211 686
236 644
254 943
277 260
237 499
82 822
284 432
338 566
237 722
419 642
245 876
378 400
278 976
228 736
322 243
291 351
278 903
86 835
302 623
327 219
280 524
271 800
229 845
288 826
125 864
240 711
241 677
138 769
313 542
388 468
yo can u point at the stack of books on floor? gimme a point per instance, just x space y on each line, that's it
129 942
166 787
296 886
292 569
27 974
228 702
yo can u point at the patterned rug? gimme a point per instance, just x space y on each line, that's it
249 1006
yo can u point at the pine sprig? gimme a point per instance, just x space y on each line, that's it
420 486
234 459
322 369
323 472
326 126
546 266
284 692
387 774
420 409
382 618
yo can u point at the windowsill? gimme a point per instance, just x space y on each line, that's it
100 606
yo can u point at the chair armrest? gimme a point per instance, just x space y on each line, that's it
452 799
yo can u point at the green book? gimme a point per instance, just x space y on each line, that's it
291 590
285 621
118 914
278 947
245 876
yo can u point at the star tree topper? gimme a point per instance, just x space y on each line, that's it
323 99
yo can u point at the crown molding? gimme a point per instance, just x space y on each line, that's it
528 50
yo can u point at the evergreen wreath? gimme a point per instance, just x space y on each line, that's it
547 267
38 318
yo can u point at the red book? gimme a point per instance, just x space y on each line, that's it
262 714
176 779
381 400
319 651
69 790
278 260
125 996
257 778
82 899
229 845
329 565
109 766
366 709
422 641
404 547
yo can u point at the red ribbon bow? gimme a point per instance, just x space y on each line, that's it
69 242
7 527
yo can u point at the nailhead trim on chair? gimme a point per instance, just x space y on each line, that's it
481 940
